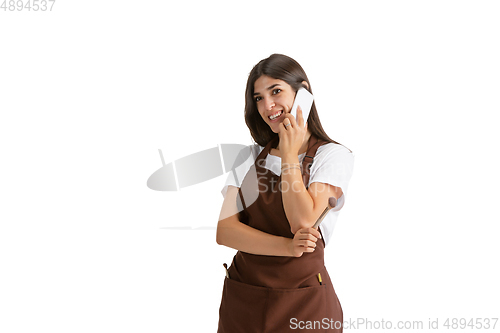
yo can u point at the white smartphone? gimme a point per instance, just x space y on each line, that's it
305 99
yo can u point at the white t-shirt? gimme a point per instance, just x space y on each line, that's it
333 164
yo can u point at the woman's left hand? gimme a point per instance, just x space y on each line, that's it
292 135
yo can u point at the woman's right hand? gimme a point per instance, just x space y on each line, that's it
304 241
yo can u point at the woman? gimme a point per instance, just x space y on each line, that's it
277 281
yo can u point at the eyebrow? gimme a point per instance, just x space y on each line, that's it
268 88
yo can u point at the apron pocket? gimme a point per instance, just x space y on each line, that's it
246 308
242 307
286 308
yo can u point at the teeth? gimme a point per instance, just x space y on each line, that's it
276 115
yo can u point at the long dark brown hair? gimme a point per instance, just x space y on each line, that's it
281 67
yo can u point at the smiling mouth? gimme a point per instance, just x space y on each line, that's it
276 115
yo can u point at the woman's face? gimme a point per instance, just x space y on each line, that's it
273 98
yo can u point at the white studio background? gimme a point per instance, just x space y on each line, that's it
92 89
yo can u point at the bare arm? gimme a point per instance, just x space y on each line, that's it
234 234
304 206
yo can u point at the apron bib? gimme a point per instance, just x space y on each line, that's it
273 293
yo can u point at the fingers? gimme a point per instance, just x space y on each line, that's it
313 231
307 237
303 246
305 240
300 117
291 118
307 243
294 122
286 123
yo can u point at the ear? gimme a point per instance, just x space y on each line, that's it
305 84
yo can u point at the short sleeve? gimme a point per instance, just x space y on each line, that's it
333 165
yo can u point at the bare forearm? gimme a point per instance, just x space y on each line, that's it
297 202
239 236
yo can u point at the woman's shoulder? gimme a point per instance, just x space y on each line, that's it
334 149
256 147
333 155
247 152
255 150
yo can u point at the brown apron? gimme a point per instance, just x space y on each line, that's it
273 293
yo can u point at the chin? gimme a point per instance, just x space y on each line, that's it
275 129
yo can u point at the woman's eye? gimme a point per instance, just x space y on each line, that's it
258 98
276 91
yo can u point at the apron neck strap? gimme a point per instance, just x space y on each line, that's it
308 159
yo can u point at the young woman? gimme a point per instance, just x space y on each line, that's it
277 281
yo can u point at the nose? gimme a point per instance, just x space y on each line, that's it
269 104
